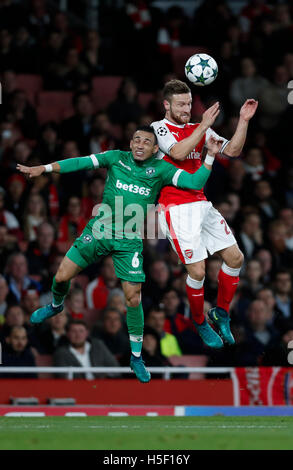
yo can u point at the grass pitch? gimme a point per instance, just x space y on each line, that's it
153 433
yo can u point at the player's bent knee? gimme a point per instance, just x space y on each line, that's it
197 273
61 276
133 301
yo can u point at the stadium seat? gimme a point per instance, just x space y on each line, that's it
105 91
190 361
180 56
91 316
144 99
32 84
43 360
58 104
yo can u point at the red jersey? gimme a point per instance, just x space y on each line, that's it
168 134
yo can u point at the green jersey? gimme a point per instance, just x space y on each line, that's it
131 189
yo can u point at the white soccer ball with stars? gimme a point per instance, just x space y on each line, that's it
201 69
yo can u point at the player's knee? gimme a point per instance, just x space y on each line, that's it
237 259
133 300
197 272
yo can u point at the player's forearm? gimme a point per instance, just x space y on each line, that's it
183 148
196 180
236 144
70 165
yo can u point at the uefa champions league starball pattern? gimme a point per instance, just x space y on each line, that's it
201 69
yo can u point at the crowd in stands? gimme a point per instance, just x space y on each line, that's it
85 92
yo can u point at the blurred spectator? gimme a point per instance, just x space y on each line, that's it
254 164
75 304
3 295
13 316
249 237
283 296
179 326
71 71
53 334
95 195
17 353
8 245
24 52
80 124
211 281
39 19
266 294
20 111
72 223
41 252
16 185
277 355
30 302
157 283
35 213
251 281
151 351
168 342
97 292
259 336
113 334
49 148
263 197
265 259
92 55
273 99
101 139
82 351
125 107
282 256
7 218
17 277
6 50
117 301
248 85
286 216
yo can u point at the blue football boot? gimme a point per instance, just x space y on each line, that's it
221 320
138 367
208 335
42 313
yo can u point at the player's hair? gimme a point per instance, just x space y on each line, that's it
174 87
148 129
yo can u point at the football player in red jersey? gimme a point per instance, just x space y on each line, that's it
193 226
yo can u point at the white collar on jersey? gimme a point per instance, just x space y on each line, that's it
173 124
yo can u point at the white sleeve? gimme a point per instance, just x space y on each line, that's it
210 132
166 139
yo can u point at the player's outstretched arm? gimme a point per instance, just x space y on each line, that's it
183 148
235 146
63 166
198 179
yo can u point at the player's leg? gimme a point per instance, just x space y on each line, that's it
135 324
220 239
60 287
195 294
228 280
82 253
182 225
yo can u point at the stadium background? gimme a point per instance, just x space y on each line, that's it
68 90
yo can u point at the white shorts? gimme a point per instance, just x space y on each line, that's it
194 229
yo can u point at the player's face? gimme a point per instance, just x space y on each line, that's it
143 145
178 110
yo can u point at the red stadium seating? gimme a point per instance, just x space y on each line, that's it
190 361
43 360
104 91
180 56
58 104
32 84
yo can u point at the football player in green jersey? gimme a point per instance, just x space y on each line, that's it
133 182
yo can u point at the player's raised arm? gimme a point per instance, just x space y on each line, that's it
183 179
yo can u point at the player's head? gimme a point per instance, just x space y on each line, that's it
177 101
144 143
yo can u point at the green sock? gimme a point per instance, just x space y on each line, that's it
135 323
60 290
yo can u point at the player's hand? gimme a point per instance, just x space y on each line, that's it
31 171
210 115
214 146
248 109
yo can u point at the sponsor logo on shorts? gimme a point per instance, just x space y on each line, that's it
87 238
133 188
188 253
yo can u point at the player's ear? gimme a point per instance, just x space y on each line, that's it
156 148
166 105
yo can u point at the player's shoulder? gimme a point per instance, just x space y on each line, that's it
160 127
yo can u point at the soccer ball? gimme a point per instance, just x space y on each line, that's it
201 69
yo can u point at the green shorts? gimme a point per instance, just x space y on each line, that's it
126 254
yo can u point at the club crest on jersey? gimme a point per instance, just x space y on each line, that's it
150 171
162 131
188 253
87 238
